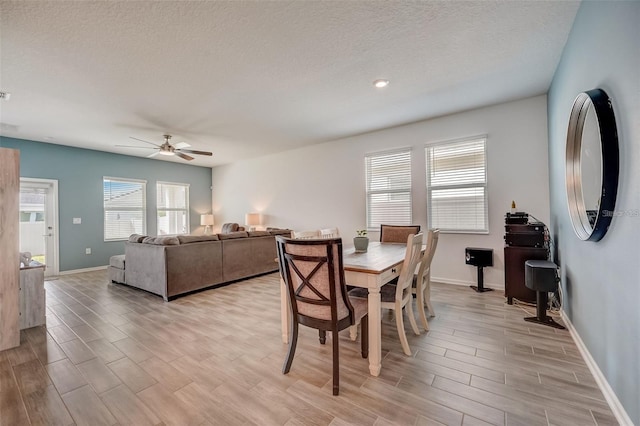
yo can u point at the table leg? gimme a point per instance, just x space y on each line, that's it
375 332
284 311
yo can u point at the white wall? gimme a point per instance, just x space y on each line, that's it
323 185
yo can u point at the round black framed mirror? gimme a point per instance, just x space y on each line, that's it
592 164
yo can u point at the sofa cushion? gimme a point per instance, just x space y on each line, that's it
162 241
277 231
136 238
259 234
233 235
229 227
166 241
186 239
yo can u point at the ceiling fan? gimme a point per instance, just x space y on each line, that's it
167 149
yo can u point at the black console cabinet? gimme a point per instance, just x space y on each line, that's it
514 259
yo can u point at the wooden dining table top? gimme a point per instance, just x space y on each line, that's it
377 258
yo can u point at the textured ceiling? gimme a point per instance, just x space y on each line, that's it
248 78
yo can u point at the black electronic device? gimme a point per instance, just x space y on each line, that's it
524 239
525 235
541 277
532 227
479 257
516 218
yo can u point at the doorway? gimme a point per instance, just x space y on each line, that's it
39 222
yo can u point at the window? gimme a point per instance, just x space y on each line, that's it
457 186
388 176
124 208
173 208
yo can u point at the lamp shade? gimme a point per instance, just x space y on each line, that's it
206 219
253 219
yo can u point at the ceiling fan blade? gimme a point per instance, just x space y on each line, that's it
153 155
154 144
131 146
181 145
191 151
184 156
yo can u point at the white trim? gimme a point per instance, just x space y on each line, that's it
614 403
78 271
389 151
173 183
125 180
54 267
466 283
484 136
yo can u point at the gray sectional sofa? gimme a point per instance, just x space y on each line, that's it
174 266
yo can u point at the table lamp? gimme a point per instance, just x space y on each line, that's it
252 219
207 221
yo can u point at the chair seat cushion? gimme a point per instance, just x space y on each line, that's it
387 293
360 307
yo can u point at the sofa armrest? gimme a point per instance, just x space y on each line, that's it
146 267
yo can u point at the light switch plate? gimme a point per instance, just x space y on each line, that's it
77 220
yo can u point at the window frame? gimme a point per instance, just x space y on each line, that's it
390 192
143 208
186 209
485 185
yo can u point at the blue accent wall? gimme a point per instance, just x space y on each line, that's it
79 173
601 280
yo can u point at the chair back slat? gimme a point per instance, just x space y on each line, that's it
305 235
329 233
411 260
429 252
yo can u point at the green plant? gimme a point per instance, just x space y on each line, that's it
361 232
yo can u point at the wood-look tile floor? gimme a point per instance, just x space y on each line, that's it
111 355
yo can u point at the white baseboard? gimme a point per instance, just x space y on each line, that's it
466 283
78 271
614 403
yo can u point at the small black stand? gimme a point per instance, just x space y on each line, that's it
480 287
542 299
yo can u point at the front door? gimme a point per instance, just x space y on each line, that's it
39 221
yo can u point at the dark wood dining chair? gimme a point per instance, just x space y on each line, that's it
397 233
313 272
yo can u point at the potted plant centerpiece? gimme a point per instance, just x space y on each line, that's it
361 242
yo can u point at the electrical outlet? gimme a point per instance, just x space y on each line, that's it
77 220
87 251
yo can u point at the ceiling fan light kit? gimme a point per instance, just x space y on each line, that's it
167 149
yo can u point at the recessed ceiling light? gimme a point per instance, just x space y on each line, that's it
380 83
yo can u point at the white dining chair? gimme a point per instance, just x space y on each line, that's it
400 296
422 280
305 235
329 233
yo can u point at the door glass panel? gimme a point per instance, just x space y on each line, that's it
33 226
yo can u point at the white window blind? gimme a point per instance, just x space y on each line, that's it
388 177
124 208
457 186
173 208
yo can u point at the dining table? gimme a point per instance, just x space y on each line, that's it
381 263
